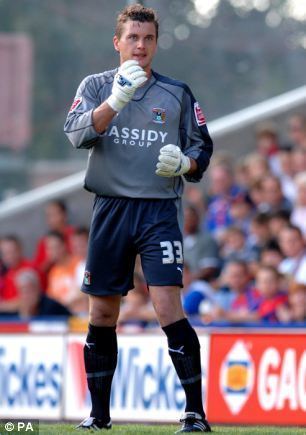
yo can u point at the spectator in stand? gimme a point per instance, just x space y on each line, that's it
200 249
277 221
267 143
199 297
194 196
297 130
241 211
299 160
271 255
2 274
256 194
79 246
260 303
236 294
296 310
298 217
241 173
235 246
222 192
297 302
273 298
32 301
63 285
257 167
13 262
286 172
259 232
292 244
56 216
273 198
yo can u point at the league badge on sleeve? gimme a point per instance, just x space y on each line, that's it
75 104
87 278
159 115
200 117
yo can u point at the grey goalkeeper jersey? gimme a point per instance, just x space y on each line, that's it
122 160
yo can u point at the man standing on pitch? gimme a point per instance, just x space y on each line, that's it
144 132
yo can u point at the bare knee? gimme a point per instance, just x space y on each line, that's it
104 311
100 318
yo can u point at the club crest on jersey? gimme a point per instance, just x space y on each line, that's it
159 115
122 81
75 104
200 117
87 277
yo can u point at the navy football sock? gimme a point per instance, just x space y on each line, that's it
100 356
184 350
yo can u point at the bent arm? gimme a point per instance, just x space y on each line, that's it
88 118
102 116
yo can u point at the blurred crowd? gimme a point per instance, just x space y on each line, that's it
244 245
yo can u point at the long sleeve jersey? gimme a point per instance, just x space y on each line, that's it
122 160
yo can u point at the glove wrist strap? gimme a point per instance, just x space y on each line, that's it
184 166
115 103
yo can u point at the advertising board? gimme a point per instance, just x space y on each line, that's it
257 378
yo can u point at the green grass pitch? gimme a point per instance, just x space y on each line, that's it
135 429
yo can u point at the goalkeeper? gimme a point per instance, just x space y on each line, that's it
144 133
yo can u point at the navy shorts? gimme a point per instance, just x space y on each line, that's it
121 228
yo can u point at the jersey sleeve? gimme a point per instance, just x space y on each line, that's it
79 126
195 139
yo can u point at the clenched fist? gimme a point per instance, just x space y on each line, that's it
128 78
172 162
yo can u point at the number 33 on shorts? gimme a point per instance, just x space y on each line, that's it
172 252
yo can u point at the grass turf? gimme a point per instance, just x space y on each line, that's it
135 429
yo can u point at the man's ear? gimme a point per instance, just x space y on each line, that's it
116 42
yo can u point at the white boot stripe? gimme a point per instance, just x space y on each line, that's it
199 425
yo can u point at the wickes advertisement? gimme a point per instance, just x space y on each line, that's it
145 385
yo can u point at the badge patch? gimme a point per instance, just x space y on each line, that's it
199 114
87 278
159 115
122 81
75 104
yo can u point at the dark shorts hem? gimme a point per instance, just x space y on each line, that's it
94 292
165 284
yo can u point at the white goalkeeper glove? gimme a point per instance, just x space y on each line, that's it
128 78
172 162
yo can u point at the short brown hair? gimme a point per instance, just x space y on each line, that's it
268 268
136 12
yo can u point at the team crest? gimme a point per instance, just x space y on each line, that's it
87 278
75 104
200 117
159 115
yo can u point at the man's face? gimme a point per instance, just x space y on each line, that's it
55 217
55 249
220 180
267 283
297 132
236 277
291 242
272 191
10 253
137 42
191 221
